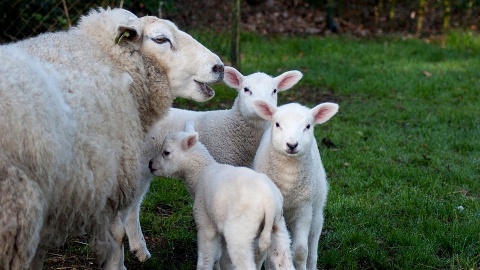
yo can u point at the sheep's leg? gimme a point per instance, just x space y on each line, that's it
279 252
313 238
136 241
208 247
116 256
300 228
22 209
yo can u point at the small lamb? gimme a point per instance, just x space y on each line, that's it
235 206
231 136
289 155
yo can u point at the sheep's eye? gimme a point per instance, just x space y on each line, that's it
166 153
160 40
308 127
277 124
274 91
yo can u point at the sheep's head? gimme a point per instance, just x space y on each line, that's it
174 154
292 124
188 65
258 85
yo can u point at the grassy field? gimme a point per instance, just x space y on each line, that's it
404 165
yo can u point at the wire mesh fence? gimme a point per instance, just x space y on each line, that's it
211 21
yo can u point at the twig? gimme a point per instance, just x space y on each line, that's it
66 13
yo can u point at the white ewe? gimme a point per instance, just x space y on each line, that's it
232 205
231 136
74 109
289 155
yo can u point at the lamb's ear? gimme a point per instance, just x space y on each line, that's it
232 77
287 79
126 32
189 141
323 112
190 126
263 109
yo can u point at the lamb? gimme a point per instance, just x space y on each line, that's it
234 207
289 155
74 109
231 136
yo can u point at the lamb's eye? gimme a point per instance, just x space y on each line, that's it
160 40
246 90
166 153
277 124
308 127
274 91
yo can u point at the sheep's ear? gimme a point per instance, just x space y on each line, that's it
323 112
189 141
232 77
263 109
125 32
287 79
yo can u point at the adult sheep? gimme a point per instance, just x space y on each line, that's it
74 109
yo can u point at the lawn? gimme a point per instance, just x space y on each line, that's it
403 158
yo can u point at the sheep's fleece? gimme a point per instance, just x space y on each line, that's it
74 109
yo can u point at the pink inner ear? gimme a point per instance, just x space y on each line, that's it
265 109
322 115
191 141
232 79
286 82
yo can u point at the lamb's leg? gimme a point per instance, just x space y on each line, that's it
239 238
279 252
133 228
22 208
300 228
208 247
313 238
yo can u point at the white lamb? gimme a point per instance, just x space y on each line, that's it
234 207
289 155
231 136
74 109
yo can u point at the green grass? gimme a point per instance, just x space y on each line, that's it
407 155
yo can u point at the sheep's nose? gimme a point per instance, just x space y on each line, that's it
150 163
218 68
292 146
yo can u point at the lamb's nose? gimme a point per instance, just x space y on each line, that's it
292 146
150 163
218 68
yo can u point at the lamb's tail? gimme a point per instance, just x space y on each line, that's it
269 219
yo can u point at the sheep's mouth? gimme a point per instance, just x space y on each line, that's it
206 89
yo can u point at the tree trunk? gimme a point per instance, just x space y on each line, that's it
446 15
421 16
235 44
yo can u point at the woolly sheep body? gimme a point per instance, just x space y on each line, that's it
289 155
229 219
231 136
74 110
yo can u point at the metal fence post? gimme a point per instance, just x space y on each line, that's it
235 44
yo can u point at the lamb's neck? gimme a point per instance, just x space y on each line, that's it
290 168
199 161
252 121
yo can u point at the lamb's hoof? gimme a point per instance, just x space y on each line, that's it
142 254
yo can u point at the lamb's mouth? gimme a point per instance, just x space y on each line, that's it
206 89
292 152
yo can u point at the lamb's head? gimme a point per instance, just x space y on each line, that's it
292 124
174 155
189 66
258 85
